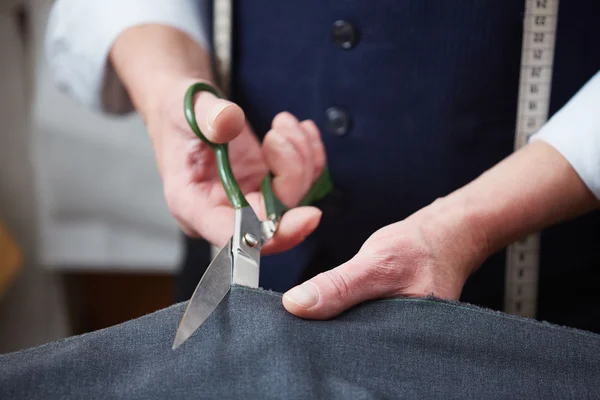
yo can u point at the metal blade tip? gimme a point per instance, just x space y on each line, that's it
180 337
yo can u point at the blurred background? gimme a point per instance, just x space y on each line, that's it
86 240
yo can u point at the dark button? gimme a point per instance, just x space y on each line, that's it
338 121
344 34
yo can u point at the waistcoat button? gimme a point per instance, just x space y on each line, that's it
338 122
344 34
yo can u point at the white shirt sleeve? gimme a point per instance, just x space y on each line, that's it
80 34
575 132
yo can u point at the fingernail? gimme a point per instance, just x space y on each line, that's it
214 112
305 295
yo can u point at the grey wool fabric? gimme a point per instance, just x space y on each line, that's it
252 348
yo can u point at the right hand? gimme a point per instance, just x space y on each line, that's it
292 151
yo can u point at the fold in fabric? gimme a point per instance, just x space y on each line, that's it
252 348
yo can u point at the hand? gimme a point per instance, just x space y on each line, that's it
292 150
434 251
430 253
157 64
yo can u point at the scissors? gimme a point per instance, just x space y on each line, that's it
238 261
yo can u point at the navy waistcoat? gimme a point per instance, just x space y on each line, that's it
428 90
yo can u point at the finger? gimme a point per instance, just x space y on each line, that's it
187 230
293 229
331 292
219 120
215 226
318 147
247 161
288 153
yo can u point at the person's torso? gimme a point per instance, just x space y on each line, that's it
414 99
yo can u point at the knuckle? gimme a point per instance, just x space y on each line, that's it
300 144
271 147
311 127
297 138
339 281
271 139
397 263
279 116
282 147
282 119
173 204
311 130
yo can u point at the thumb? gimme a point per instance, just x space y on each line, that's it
220 120
332 292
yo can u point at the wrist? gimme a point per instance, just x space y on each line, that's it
151 59
531 189
460 230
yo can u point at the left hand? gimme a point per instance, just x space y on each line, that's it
432 252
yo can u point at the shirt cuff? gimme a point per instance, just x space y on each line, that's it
80 35
575 132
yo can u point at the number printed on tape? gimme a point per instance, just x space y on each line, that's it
537 56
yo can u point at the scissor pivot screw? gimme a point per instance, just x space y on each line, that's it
250 240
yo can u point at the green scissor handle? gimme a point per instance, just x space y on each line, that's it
224 167
274 207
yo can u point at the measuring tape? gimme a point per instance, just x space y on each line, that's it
539 37
222 33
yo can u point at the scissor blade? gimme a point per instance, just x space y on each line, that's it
246 255
211 290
